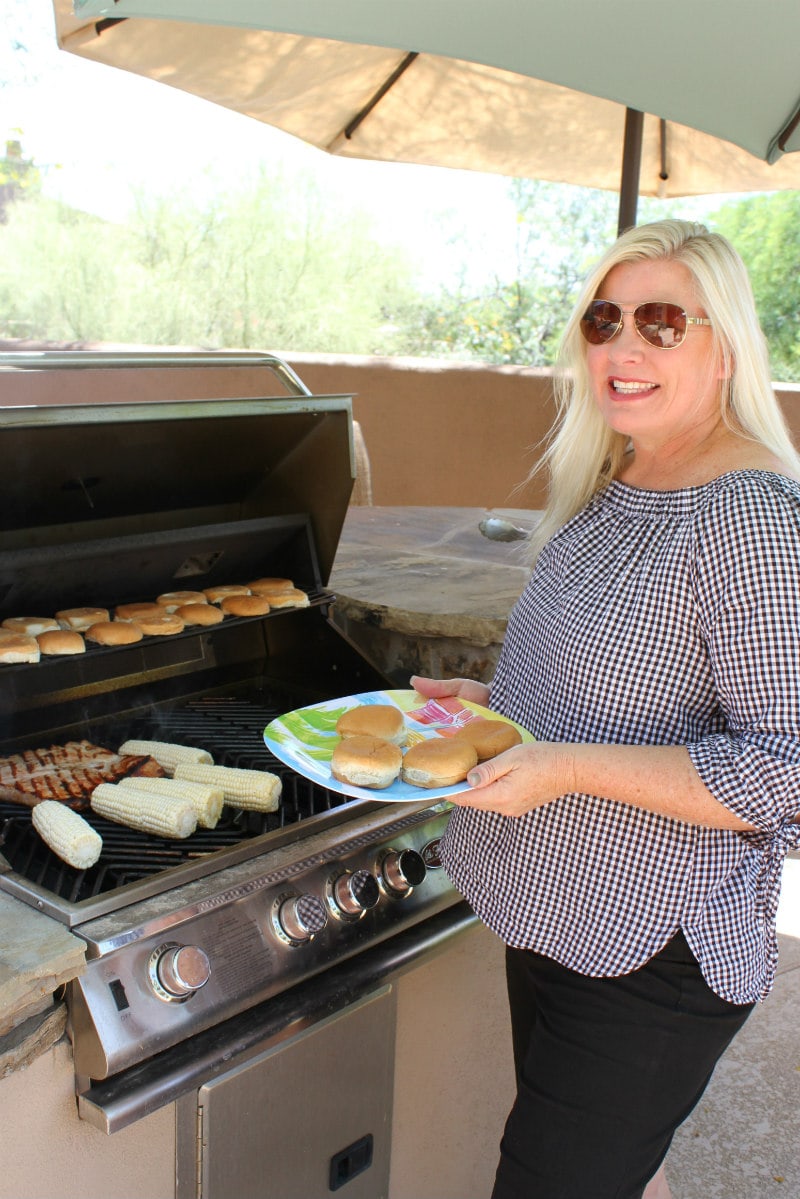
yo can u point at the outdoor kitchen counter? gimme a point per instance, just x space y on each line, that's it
37 956
423 591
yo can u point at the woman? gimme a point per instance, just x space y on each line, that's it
630 857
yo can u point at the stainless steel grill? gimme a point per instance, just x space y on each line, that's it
267 922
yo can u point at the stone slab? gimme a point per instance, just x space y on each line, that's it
421 590
37 955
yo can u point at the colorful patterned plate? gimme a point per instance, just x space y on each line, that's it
306 738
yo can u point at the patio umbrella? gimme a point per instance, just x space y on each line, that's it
515 87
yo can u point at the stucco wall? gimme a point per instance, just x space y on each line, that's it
442 433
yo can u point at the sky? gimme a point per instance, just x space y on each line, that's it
96 132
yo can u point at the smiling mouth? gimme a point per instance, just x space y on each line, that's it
629 387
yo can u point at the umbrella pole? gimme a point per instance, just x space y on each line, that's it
631 166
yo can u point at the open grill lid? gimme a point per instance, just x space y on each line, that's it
114 501
201 456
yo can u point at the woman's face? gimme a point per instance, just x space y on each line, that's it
656 397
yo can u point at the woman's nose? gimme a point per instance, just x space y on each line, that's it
627 343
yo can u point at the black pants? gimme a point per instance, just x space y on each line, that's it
607 1068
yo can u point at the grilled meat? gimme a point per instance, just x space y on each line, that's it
68 773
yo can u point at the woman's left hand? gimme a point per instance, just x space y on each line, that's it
519 780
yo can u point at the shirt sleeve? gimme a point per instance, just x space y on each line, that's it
746 581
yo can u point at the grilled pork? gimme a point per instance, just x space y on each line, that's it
68 773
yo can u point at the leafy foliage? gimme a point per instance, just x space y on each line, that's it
766 232
269 265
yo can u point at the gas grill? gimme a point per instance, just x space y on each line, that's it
204 949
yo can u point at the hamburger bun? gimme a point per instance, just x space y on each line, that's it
373 720
489 737
134 611
215 594
196 614
366 762
295 598
163 625
61 641
81 618
438 762
113 632
176 599
31 626
270 586
17 647
244 605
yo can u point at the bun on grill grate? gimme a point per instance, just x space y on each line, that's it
114 632
17 647
61 641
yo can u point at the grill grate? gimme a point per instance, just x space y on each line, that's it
231 730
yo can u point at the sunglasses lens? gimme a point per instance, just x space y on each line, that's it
601 321
662 325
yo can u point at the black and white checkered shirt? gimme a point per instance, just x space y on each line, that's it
654 618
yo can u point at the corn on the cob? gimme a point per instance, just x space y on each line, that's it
207 801
67 833
166 753
141 810
252 790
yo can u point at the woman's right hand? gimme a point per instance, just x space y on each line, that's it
476 693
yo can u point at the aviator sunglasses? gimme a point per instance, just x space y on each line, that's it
659 324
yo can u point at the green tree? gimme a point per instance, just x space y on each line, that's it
766 232
559 230
267 266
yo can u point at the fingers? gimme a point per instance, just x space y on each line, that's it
469 689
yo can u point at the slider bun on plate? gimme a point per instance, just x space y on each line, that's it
489 737
200 613
438 762
114 632
17 647
81 618
373 720
366 762
30 625
61 641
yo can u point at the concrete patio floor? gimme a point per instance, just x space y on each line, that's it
743 1139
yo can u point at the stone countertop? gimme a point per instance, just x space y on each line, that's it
431 570
37 956
422 590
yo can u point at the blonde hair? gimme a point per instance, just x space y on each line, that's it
584 454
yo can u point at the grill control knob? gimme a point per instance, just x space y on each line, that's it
356 893
300 917
403 870
182 970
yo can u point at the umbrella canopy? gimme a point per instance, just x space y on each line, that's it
524 89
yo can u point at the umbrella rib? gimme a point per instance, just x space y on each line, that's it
386 86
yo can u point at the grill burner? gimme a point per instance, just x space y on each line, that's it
231 730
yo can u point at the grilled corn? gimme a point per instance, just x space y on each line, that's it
67 834
206 800
252 790
166 753
159 814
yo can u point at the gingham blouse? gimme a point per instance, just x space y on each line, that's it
657 618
